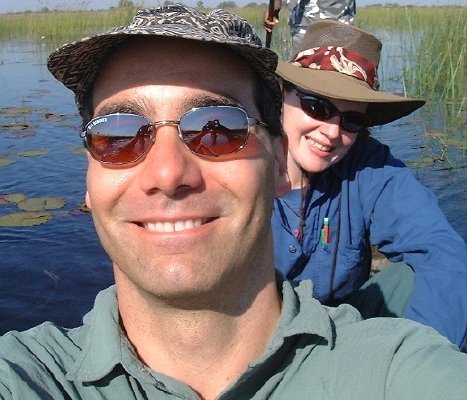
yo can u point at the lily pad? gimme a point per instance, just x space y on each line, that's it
32 153
15 127
78 150
41 203
15 111
25 219
38 93
55 117
23 134
5 161
84 208
12 198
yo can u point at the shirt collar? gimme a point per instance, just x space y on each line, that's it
106 346
301 313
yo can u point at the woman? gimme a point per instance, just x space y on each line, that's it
349 193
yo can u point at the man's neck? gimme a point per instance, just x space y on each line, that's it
205 348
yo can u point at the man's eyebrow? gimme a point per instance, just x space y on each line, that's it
211 100
138 106
130 106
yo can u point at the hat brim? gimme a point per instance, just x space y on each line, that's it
382 107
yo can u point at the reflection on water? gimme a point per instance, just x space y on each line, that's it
53 271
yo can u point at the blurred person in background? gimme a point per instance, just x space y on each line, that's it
302 13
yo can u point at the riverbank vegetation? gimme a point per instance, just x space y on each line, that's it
428 44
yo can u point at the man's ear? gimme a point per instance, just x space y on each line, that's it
282 181
87 200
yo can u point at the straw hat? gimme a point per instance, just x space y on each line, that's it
340 61
78 64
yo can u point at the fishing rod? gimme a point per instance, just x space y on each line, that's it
270 18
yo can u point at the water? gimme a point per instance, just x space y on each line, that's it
53 271
429 160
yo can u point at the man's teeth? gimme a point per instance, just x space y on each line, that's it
173 226
319 146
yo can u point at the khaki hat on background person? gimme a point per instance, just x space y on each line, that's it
340 61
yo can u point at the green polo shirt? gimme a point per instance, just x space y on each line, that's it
316 352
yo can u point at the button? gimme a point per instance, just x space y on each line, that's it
292 249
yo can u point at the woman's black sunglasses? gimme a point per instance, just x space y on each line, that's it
322 110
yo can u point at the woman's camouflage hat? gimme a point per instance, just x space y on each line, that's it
78 64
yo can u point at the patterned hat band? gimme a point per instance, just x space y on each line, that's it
339 59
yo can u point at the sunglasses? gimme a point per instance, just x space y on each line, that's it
322 110
207 131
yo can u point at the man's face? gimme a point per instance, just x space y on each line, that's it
219 207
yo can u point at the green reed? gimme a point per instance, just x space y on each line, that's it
436 49
60 27
433 52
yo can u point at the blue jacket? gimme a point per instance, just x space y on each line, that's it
371 198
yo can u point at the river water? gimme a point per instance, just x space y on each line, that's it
54 270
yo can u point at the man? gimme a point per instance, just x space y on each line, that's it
303 13
197 311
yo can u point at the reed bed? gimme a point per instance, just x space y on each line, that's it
435 50
432 51
59 27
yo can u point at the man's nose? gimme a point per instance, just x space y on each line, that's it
169 166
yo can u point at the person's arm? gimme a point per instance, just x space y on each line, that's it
268 23
406 224
394 359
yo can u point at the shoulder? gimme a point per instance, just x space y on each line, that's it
394 343
374 358
43 356
46 341
37 358
404 359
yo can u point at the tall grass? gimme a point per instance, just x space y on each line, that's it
60 27
436 49
433 50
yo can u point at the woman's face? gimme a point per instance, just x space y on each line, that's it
315 145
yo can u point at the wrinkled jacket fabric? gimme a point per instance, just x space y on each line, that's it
371 198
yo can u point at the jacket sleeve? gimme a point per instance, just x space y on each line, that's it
406 224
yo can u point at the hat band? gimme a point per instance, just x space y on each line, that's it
339 59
